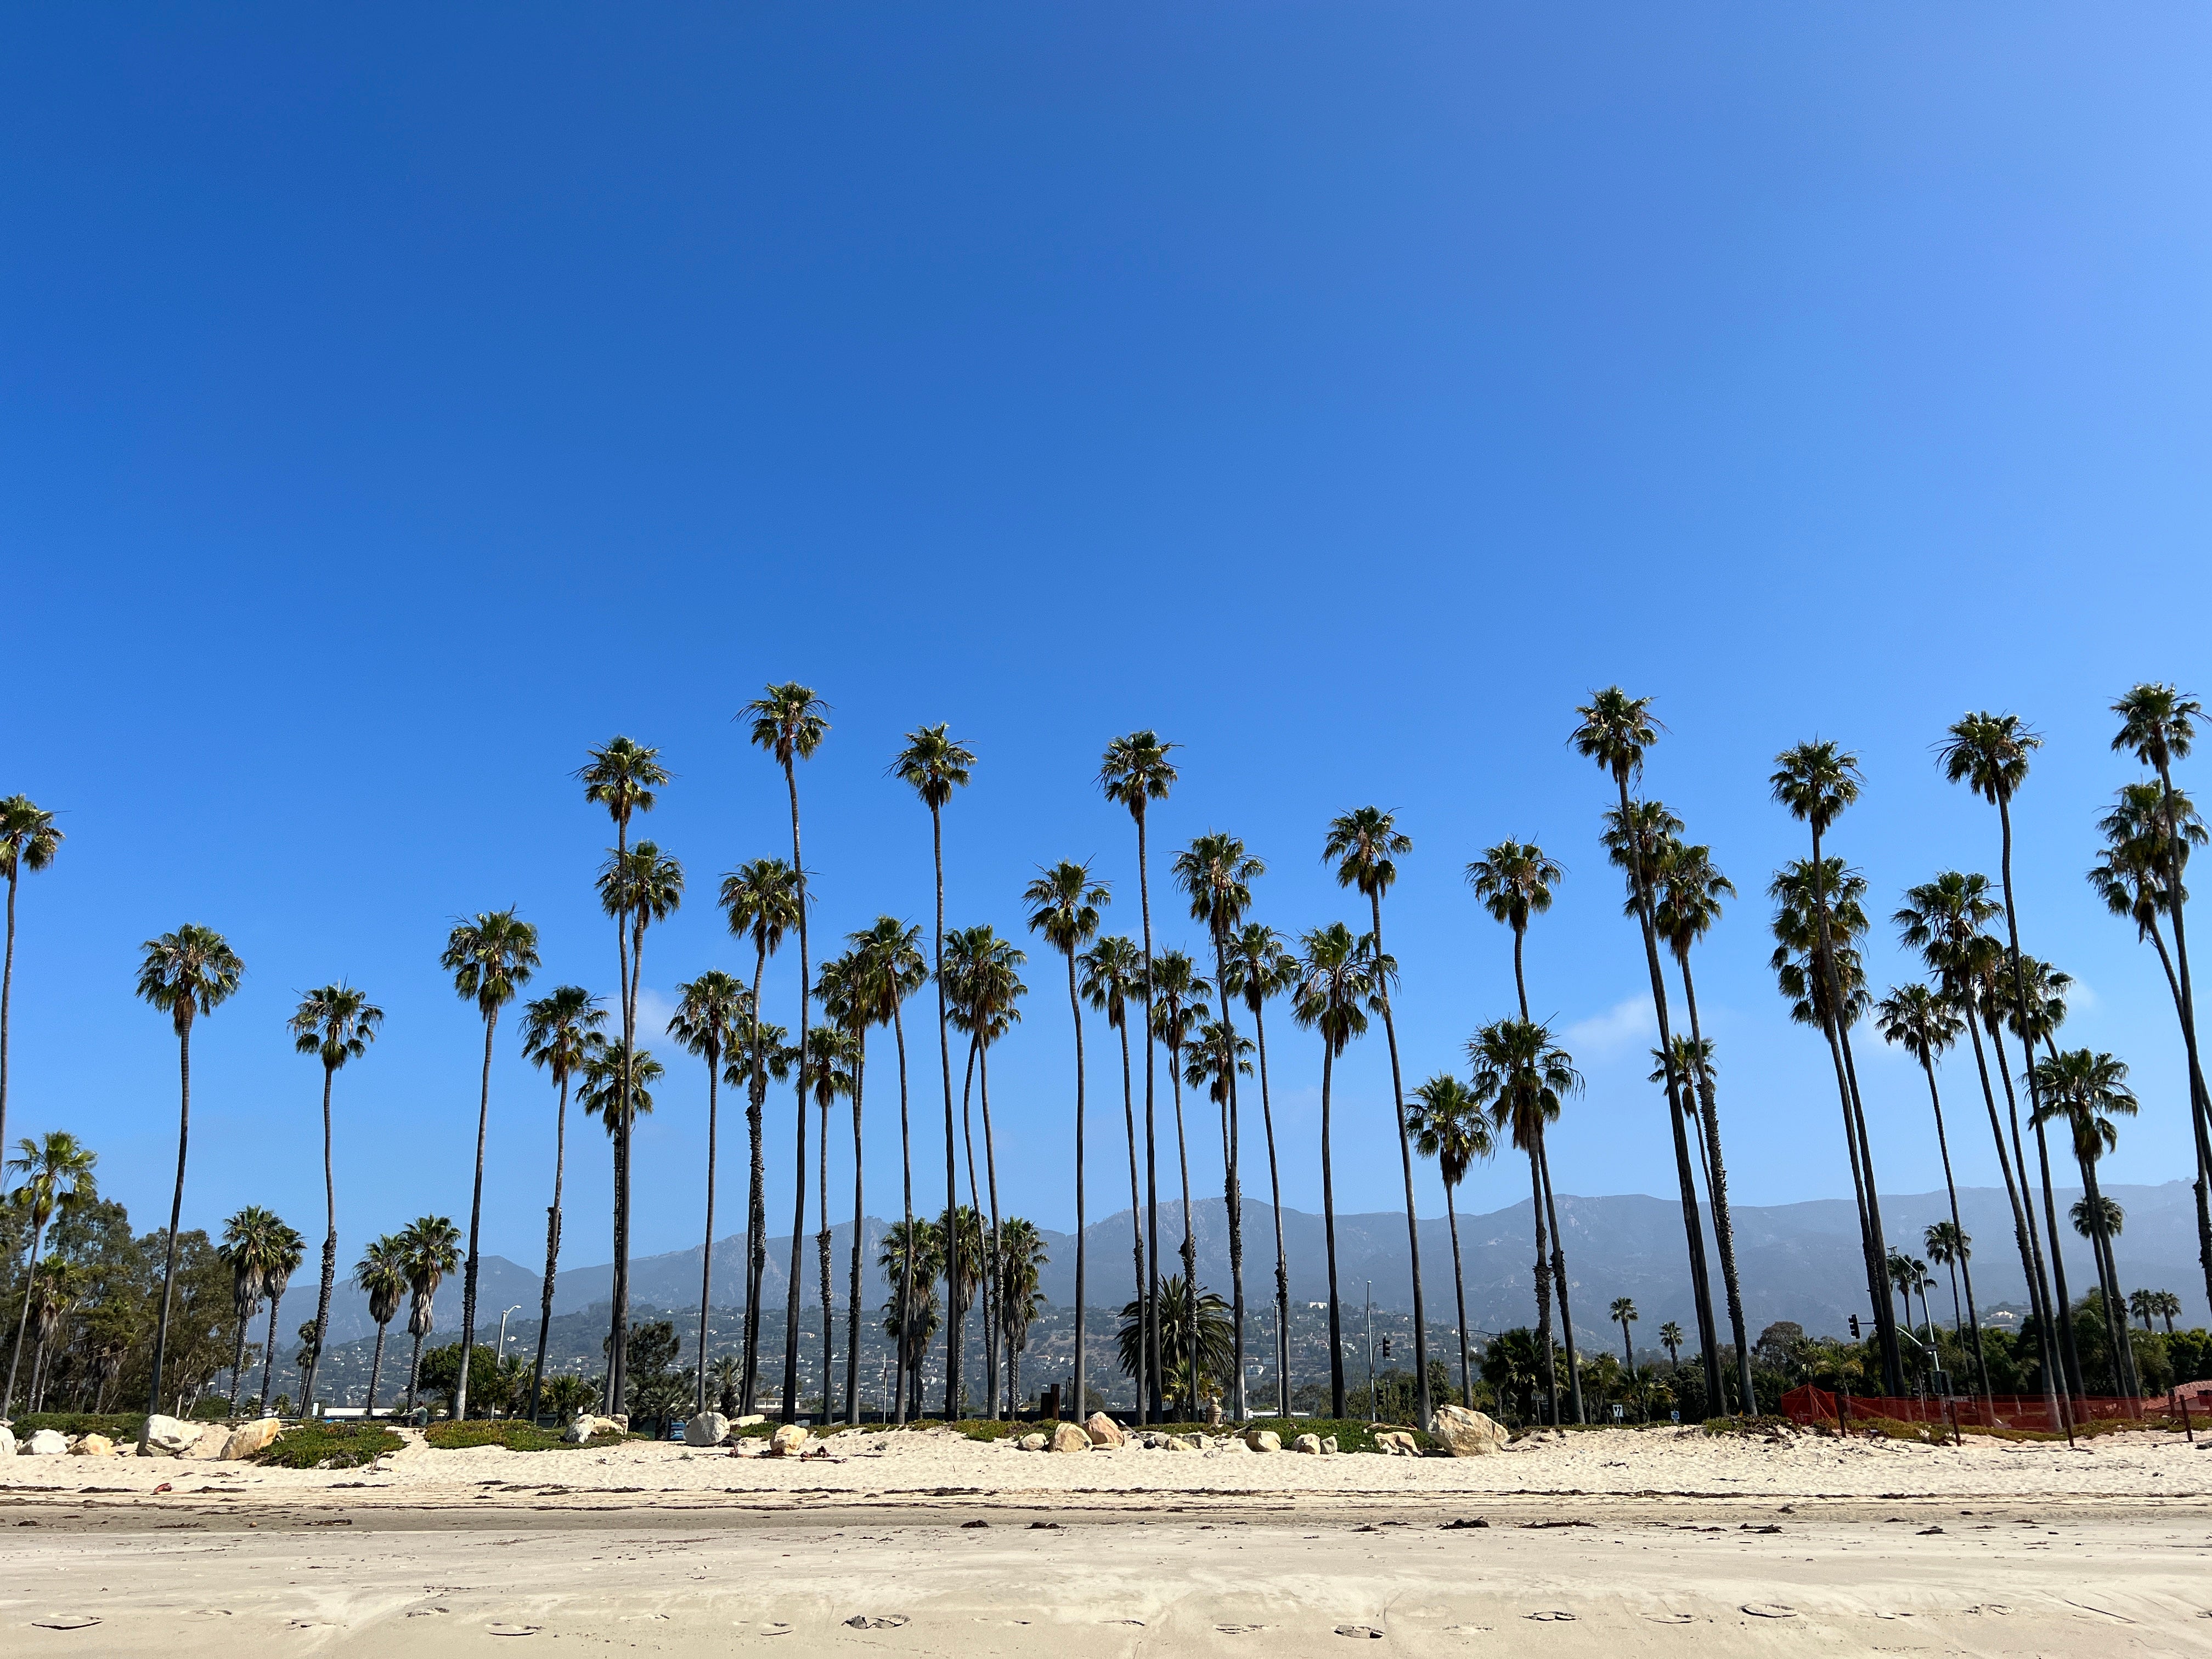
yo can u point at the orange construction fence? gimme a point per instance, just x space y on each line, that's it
1809 1405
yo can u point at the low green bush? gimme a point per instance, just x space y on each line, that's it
319 1445
511 1432
118 1426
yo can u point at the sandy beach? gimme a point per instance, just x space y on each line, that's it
1658 1542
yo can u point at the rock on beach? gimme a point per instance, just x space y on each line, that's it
1467 1433
1103 1431
248 1438
706 1429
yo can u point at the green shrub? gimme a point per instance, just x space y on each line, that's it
315 1445
511 1432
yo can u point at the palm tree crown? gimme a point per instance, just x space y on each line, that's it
934 764
491 957
1988 753
335 1023
1616 729
1514 880
2157 724
188 972
1135 770
1365 844
1448 1125
557 1030
788 720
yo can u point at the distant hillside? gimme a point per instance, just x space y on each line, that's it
1798 1262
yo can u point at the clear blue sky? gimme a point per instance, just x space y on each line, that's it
398 403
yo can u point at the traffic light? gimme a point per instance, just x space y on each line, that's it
1855 1327
1386 1348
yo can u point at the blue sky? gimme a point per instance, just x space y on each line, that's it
400 403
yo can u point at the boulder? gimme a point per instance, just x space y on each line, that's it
789 1440
1184 1443
212 1438
1397 1443
1213 1413
92 1445
581 1429
168 1436
1263 1440
1032 1442
1103 1431
748 1420
1466 1433
1329 1445
706 1429
248 1438
619 1421
1069 1438
8 1441
46 1443
1308 1444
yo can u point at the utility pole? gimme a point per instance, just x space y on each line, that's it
1370 1351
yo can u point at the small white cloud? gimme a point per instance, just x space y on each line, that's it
1627 1024
653 1013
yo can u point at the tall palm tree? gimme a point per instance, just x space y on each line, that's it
557 1033
335 1023
1113 969
491 957
912 1257
851 1000
1616 732
934 764
1522 1076
1337 973
286 1251
1514 880
28 841
789 721
892 969
1688 888
1022 1255
1178 999
381 1275
831 1068
2036 1020
1133 773
962 1248
244 1248
1946 920
1217 1057
57 1180
2085 1092
429 1248
625 777
1925 1023
761 900
1064 903
1259 967
984 995
1448 1125
1950 1246
1218 874
2158 724
707 1010
1817 780
1365 845
1623 1313
186 973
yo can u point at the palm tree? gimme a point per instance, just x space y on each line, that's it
789 722
2088 1091
644 885
623 776
381 1275
1522 1078
2143 1304
1134 772
490 957
705 1022
184 973
557 1032
1200 1343
334 1023
832 1070
244 1248
1924 1022
1217 1057
761 899
1688 888
912 1257
1022 1255
1616 731
2158 724
1218 874
1178 998
2036 1018
1064 903
853 998
1337 972
1112 971
1945 920
57 1180
1365 845
28 841
1448 1125
429 1250
285 1251
1950 1247
1670 1338
891 970
1514 880
934 764
1623 1313
1258 966
2168 1309
983 994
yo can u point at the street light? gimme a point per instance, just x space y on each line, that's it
517 1307
1370 1351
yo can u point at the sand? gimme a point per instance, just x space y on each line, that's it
1624 1542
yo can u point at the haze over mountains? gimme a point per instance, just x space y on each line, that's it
1798 1262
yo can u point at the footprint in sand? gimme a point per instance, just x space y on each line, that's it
1554 1616
1367 1631
877 1621
1769 1610
511 1630
66 1621
1239 1630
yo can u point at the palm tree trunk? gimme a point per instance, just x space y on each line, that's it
1866 1158
822 1255
755 1195
2202 1113
853 1290
375 1368
2067 1347
1136 1202
1075 1011
955 1312
1694 1232
618 1297
1870 1249
906 1179
2023 1223
1716 1192
22 1324
237 1362
475 1220
707 1254
1275 1205
1328 1231
1233 1193
414 1367
1156 1400
1951 1186
1549 1365
982 1282
2065 1363
1559 1281
1459 1289
176 1213
2108 1282
1406 1157
994 1268
1189 1237
330 1256
7 999
552 1250
269 1353
2185 1000
799 1212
